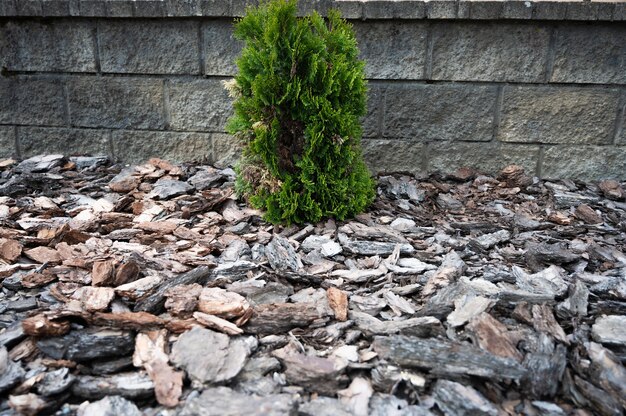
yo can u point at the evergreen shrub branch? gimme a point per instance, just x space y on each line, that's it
299 96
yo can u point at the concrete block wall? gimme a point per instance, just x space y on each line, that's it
452 83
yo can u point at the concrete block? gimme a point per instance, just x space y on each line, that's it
92 8
74 7
183 8
439 112
110 102
198 105
349 9
547 10
149 8
395 9
149 47
487 157
389 156
517 10
29 8
621 126
7 142
221 49
132 146
216 8
442 9
32 100
41 140
226 150
582 11
120 8
239 6
56 7
479 51
8 8
585 162
558 115
619 13
372 120
59 46
305 8
605 11
463 10
486 10
392 50
590 54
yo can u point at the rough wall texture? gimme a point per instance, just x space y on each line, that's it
452 83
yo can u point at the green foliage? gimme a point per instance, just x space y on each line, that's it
299 96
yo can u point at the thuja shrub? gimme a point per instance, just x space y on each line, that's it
299 95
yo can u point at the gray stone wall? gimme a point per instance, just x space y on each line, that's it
452 83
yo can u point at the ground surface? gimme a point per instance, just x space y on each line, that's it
154 289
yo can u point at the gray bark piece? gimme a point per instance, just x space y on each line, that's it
222 401
488 241
390 405
446 357
165 189
316 374
88 344
110 406
128 385
12 335
456 399
372 248
608 371
11 373
548 281
258 367
56 382
577 302
423 326
226 358
570 199
281 255
610 329
545 369
467 308
314 242
323 406
539 256
207 177
40 163
155 302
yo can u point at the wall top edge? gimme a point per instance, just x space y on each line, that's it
569 10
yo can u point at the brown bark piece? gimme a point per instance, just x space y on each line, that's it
128 320
94 299
612 190
10 250
43 254
338 301
217 323
544 321
33 280
222 303
103 273
41 326
150 354
182 300
587 214
491 335
126 273
278 318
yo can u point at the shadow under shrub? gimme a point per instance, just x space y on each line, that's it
299 96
